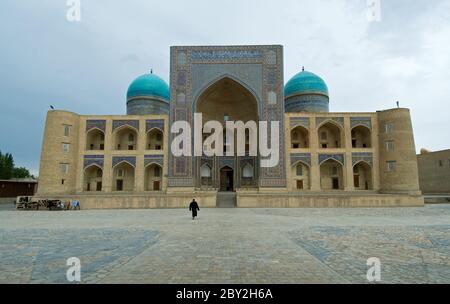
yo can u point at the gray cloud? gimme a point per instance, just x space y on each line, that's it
86 67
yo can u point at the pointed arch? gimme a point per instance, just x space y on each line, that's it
93 178
362 176
234 78
155 139
331 174
330 134
361 136
125 137
95 139
123 176
301 178
153 177
299 137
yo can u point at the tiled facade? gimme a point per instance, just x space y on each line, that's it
348 159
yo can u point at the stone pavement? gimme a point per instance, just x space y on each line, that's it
227 245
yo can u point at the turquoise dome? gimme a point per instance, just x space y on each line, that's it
305 83
149 85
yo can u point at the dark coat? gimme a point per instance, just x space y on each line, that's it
194 207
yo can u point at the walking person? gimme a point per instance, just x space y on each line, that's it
193 206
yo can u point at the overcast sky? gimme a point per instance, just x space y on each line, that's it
87 66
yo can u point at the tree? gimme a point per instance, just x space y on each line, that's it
8 170
6 165
21 172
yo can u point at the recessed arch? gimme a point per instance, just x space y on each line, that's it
330 135
331 175
123 177
155 139
220 78
125 138
153 177
206 175
95 139
299 137
301 176
226 179
362 176
361 136
93 178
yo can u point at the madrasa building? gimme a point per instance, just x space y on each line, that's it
325 159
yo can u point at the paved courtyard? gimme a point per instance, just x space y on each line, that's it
226 245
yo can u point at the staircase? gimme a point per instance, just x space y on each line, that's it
226 200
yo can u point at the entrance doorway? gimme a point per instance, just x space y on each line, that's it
119 185
226 179
335 183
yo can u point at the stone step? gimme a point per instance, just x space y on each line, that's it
226 200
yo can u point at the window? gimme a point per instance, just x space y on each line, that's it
323 135
157 171
391 166
390 146
66 147
441 163
389 127
205 171
66 130
334 171
299 170
63 181
99 173
295 136
355 169
158 136
247 171
120 173
64 168
130 137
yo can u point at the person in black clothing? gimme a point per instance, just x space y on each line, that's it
194 207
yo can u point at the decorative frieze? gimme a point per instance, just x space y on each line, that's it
361 121
226 161
364 156
299 121
338 157
129 159
154 123
95 124
156 159
303 157
90 160
338 120
120 123
226 54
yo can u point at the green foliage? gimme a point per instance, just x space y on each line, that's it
21 172
8 170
